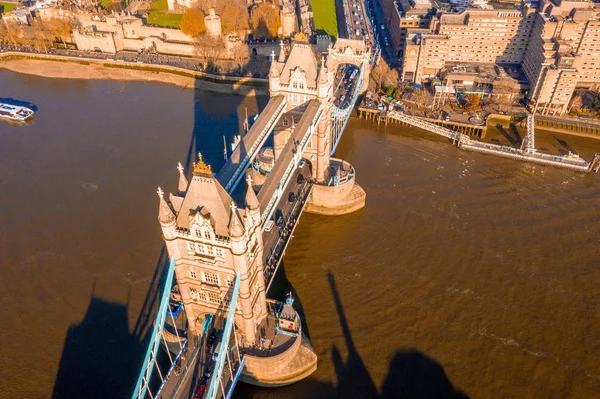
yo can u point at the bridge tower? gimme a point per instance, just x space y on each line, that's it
302 77
211 239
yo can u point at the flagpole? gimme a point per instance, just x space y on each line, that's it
224 148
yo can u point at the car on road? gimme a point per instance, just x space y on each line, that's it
291 197
211 338
269 225
299 179
200 391
280 222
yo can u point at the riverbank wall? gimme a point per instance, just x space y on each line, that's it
54 66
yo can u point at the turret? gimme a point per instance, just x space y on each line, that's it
166 217
252 204
323 81
236 227
183 183
274 75
281 52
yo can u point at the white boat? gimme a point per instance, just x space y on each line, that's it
15 112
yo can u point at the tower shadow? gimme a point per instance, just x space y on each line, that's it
411 373
101 357
91 351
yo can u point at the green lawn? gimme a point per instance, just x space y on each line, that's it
105 4
164 19
7 7
325 17
159 5
157 15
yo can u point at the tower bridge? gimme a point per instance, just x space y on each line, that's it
225 254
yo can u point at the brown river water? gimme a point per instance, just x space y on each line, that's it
465 275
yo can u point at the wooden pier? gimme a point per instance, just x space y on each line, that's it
386 117
527 152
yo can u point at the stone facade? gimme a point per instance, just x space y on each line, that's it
301 77
211 239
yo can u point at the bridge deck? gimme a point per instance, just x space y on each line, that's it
273 181
227 172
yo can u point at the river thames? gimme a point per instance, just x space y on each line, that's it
464 275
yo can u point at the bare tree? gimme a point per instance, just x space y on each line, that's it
240 54
383 75
208 48
61 29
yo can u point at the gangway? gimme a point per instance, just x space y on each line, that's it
528 144
432 127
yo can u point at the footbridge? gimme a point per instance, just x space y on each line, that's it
243 155
526 153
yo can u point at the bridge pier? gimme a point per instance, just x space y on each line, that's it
340 194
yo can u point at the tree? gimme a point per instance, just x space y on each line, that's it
192 22
61 29
208 48
383 75
265 21
13 34
234 18
39 36
240 54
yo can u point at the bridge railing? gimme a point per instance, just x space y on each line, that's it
150 364
340 116
216 388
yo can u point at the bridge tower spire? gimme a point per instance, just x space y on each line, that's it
183 183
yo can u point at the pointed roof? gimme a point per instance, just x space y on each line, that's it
275 69
204 194
281 52
236 227
183 183
303 57
165 214
251 199
323 71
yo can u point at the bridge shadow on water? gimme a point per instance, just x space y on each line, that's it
411 374
102 355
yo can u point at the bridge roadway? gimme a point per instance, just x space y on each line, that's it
243 155
289 158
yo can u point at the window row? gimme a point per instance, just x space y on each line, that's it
204 249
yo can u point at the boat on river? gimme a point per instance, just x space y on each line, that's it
15 113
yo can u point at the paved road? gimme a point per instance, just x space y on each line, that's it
274 240
382 34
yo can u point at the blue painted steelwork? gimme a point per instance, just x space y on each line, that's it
142 386
225 340
340 116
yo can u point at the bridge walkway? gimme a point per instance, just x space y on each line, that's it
243 155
